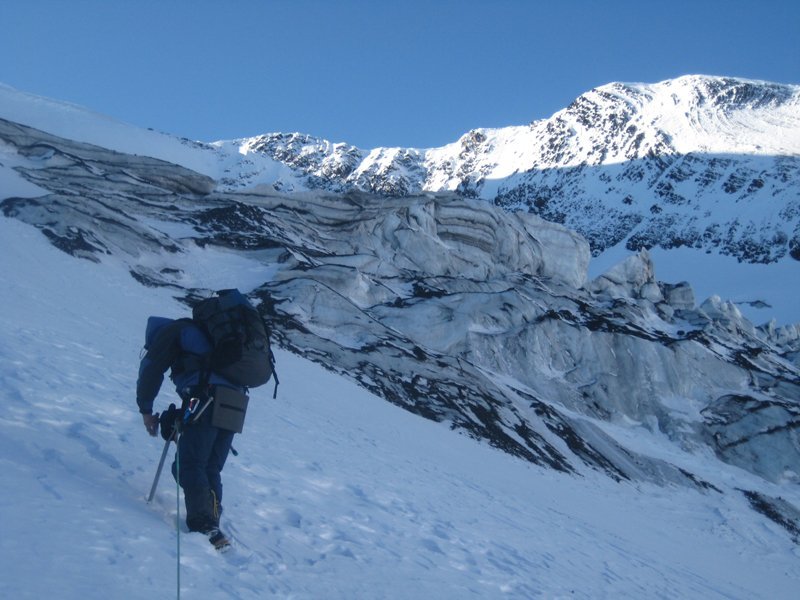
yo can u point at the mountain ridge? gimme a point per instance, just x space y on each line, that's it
711 163
669 157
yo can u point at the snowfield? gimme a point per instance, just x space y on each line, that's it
335 494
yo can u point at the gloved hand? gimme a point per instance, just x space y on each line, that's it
151 424
169 419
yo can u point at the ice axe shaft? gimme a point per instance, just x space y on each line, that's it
160 467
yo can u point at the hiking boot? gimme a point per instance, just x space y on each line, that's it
218 539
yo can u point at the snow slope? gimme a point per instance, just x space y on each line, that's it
335 493
79 123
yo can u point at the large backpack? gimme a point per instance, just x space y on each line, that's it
242 352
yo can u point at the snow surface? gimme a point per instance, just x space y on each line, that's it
75 122
335 493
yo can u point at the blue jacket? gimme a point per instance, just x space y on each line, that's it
178 345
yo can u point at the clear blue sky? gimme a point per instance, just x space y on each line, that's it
372 72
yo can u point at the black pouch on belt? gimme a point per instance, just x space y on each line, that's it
230 407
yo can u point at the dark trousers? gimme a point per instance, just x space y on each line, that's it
202 451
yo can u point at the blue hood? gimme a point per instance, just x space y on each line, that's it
154 325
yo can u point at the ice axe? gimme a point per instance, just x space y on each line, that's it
160 466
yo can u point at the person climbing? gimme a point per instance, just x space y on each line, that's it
213 359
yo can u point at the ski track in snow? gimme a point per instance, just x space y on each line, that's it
335 493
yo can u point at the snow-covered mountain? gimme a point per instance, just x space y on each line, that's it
703 162
443 303
687 162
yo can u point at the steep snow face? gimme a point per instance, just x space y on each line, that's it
726 116
450 307
80 124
